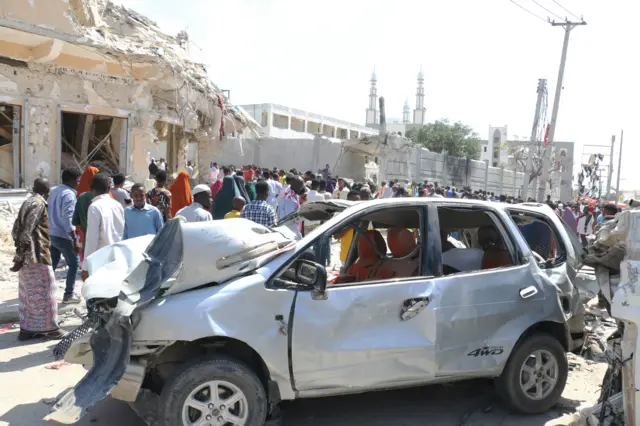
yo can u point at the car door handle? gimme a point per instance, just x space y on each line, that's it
528 292
412 307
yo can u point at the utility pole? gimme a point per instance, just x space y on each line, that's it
568 26
619 166
542 90
610 174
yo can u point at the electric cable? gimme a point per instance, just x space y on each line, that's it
528 11
566 10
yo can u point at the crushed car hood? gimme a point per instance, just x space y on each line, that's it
203 252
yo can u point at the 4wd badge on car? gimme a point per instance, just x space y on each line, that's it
487 350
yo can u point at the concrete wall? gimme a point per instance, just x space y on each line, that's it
419 164
301 154
415 164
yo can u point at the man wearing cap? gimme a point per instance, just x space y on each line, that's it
199 209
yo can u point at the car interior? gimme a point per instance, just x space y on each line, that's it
385 245
541 238
471 241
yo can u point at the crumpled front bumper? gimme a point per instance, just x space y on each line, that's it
111 346
111 342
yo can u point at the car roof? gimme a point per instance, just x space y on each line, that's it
452 201
318 210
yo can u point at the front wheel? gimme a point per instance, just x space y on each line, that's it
213 392
535 375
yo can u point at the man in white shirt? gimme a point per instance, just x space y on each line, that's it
322 190
586 224
275 188
105 219
290 202
341 192
313 195
199 209
388 190
213 172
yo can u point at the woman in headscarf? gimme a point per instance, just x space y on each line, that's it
223 202
570 219
84 185
239 179
180 193
251 190
84 198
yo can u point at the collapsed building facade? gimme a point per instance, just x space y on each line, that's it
89 82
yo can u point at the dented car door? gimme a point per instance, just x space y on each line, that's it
483 311
366 336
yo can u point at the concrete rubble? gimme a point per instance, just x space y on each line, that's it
64 61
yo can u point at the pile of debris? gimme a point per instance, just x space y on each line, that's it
130 37
599 327
91 139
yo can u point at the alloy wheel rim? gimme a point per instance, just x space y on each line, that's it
539 374
215 403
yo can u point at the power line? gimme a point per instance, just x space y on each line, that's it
548 11
528 11
565 9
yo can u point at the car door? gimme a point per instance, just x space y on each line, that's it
564 268
364 336
481 314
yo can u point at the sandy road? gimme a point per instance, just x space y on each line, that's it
26 385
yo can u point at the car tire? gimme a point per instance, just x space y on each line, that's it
195 381
521 369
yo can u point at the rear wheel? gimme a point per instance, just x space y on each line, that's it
535 375
213 392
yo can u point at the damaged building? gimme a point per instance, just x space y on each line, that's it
90 82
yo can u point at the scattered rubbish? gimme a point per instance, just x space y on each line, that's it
575 366
49 401
80 313
8 327
56 365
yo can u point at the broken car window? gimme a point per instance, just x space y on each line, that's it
471 241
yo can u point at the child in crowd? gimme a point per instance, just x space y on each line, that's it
237 204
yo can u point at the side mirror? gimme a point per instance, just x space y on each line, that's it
314 276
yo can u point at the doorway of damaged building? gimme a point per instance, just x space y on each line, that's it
10 146
93 140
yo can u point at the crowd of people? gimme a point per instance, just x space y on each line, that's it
91 210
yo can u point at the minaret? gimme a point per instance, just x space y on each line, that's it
420 112
405 112
372 111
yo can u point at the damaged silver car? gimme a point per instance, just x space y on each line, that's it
223 320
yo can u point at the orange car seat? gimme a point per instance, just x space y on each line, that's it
495 255
402 243
371 249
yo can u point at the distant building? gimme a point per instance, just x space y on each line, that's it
397 126
279 121
497 149
494 149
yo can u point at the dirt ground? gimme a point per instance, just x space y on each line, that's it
29 385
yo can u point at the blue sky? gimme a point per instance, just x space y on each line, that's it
482 59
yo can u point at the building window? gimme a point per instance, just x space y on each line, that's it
485 149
